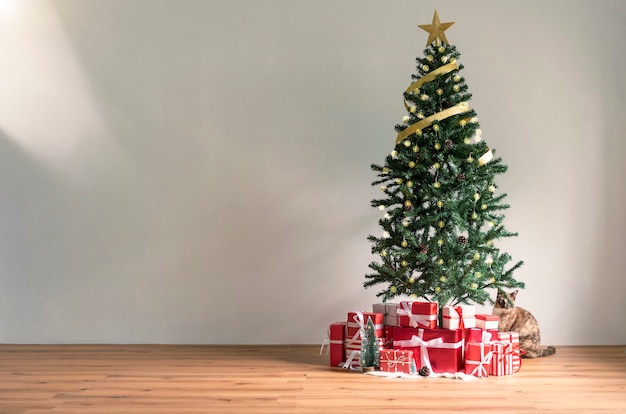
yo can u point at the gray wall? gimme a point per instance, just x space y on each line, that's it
198 171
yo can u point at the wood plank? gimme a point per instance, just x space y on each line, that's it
88 379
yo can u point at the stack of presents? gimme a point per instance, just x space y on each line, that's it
409 340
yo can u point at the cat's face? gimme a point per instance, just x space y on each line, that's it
502 302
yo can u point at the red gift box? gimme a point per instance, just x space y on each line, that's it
418 314
337 341
441 350
397 360
481 335
458 317
357 321
502 359
486 321
513 338
478 359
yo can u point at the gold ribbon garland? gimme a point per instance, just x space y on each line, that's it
430 77
439 116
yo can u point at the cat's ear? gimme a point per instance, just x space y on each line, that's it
513 294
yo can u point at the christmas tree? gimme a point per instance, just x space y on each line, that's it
442 212
370 351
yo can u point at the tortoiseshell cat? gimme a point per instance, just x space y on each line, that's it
520 320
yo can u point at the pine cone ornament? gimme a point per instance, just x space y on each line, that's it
448 143
460 177
423 248
461 240
424 371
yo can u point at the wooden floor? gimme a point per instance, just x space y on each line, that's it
173 379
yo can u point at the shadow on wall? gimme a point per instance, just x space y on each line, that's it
31 232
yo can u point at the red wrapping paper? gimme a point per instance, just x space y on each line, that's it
513 338
502 360
357 321
337 347
443 347
478 359
418 314
397 360
481 335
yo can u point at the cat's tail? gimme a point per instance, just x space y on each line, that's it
548 351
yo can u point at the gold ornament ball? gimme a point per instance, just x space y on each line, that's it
453 60
387 216
490 243
462 122
492 188
439 92
441 49
404 243
440 242
439 261
386 234
413 296
443 278
407 143
418 132
456 88
474 286
474 216
436 166
412 109
491 224
425 68
381 207
424 97
439 203
405 223
383 188
406 118
437 184
483 207
430 58
398 180
441 224
416 91
456 78
474 120
444 59
436 127
477 275
467 140
492 280
420 115
437 289
383 253
385 170
404 263
408 203
412 164
476 256
437 146
409 184
394 153
412 280
476 196
470 159
393 289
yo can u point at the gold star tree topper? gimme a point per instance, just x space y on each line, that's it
436 30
